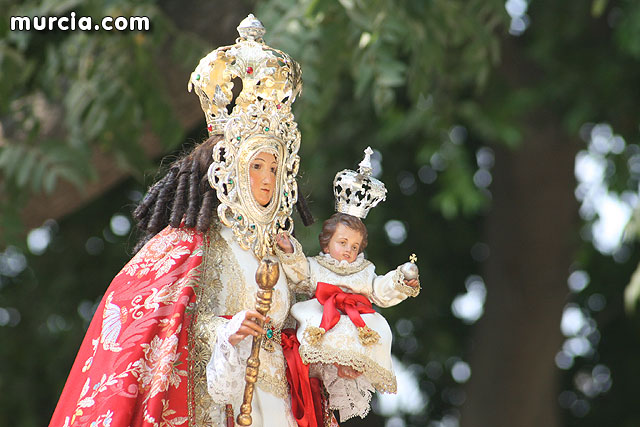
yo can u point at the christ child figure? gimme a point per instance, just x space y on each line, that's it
346 342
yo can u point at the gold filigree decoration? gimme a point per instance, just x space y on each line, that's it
264 72
368 336
314 334
264 127
272 337
202 330
258 120
275 383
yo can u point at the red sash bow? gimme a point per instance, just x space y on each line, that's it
306 393
336 301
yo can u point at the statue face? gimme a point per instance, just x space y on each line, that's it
344 244
262 176
254 178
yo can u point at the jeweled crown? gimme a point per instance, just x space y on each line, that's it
265 73
357 192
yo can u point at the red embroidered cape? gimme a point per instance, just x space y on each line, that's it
131 369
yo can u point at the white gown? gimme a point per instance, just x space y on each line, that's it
234 293
341 344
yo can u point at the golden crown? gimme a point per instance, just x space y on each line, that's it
262 72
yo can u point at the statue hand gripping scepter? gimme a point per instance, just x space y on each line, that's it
266 276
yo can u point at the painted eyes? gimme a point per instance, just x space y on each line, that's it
343 244
257 166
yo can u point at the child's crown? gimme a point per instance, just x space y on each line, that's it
357 192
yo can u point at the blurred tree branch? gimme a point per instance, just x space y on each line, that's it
85 110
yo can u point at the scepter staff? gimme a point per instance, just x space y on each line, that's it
267 275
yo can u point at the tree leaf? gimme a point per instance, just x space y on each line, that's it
25 168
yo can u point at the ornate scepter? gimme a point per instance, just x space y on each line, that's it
266 277
256 119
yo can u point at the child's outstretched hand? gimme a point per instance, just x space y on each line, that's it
413 283
284 243
347 372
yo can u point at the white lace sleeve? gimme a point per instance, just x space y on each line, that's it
296 267
390 289
349 397
226 369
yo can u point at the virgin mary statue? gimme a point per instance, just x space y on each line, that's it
166 346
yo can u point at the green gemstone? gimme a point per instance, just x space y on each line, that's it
253 227
230 181
269 333
238 138
197 76
266 129
239 217
286 194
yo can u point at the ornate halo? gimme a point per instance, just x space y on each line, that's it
265 126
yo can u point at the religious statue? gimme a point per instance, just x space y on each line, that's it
338 328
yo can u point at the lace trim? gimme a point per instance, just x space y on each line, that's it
351 397
398 280
225 370
382 379
275 384
293 257
366 335
342 267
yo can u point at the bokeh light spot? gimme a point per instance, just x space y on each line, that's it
396 231
482 178
573 320
578 280
94 245
120 225
461 372
38 240
596 302
407 183
469 306
12 262
427 174
564 360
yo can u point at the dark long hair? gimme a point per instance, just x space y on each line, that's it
184 193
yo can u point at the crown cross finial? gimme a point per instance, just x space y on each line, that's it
364 167
413 258
251 28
